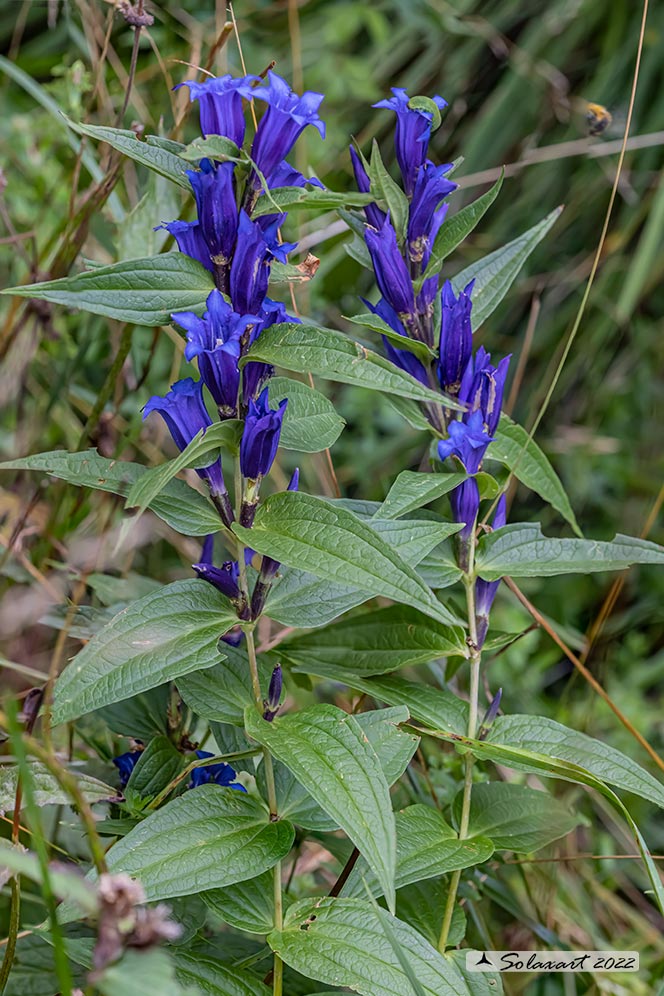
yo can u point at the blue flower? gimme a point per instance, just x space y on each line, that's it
257 246
285 119
285 175
390 268
217 774
456 337
214 190
271 703
413 132
401 358
125 763
185 414
220 104
225 578
191 241
468 441
485 591
482 387
260 438
431 187
372 212
217 340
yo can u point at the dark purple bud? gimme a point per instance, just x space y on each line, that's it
456 337
185 414
234 636
257 246
372 212
294 483
30 708
485 591
285 119
482 387
490 715
260 438
271 703
207 550
125 763
390 268
191 241
214 190
225 578
220 104
216 774
413 132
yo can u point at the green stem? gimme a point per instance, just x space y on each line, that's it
469 761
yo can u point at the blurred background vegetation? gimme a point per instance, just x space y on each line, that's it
517 77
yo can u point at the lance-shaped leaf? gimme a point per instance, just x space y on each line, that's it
327 540
138 291
454 230
157 638
184 509
330 755
65 882
246 905
385 190
326 353
299 198
376 642
155 157
530 466
413 490
310 422
521 551
376 324
494 274
46 789
427 846
209 837
515 817
342 942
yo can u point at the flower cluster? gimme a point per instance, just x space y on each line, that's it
238 249
413 305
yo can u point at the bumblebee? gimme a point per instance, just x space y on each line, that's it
598 119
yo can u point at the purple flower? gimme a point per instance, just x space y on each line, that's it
217 774
225 578
271 703
285 175
214 190
468 441
372 212
413 132
431 186
220 104
257 246
217 339
485 591
185 414
401 358
285 119
390 268
482 387
456 337
191 241
125 763
260 438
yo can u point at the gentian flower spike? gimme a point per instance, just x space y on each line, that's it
271 703
190 240
257 246
217 774
220 104
185 414
260 439
214 190
482 387
413 131
456 337
285 119
485 591
372 212
391 271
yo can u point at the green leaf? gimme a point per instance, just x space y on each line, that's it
139 972
210 837
412 490
342 942
225 434
46 788
326 353
66 882
387 192
213 977
543 735
294 802
521 551
394 747
376 324
157 638
411 412
374 643
427 846
222 693
310 422
157 765
422 905
529 465
210 147
515 817
329 754
327 540
155 157
494 274
138 291
299 198
246 905
455 229
185 510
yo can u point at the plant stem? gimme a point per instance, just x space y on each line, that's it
469 760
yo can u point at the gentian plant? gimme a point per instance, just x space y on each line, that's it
224 782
